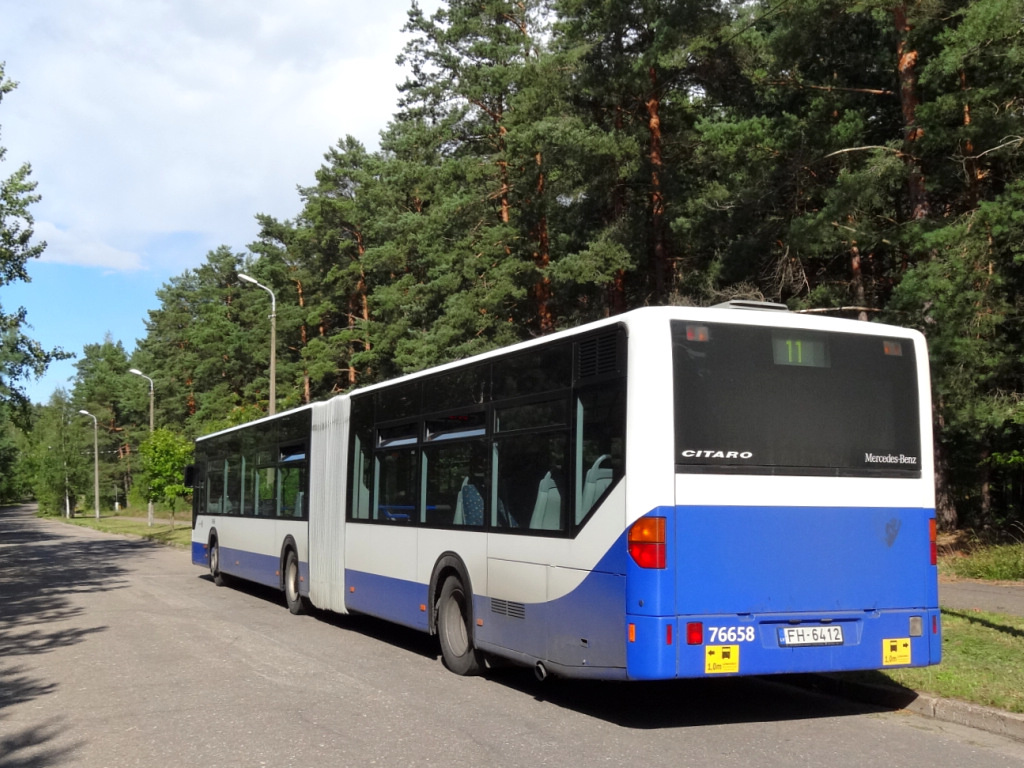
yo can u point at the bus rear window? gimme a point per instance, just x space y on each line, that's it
780 401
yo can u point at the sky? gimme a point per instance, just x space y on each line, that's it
158 129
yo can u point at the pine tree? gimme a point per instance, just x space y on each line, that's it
20 356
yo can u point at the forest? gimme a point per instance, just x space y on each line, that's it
552 162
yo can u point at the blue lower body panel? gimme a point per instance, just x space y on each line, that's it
769 590
403 602
251 566
711 646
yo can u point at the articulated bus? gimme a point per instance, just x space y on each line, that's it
669 493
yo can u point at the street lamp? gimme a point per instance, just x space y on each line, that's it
137 372
271 409
95 462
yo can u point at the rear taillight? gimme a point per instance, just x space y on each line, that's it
932 542
695 633
647 542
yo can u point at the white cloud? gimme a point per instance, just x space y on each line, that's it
82 249
157 129
143 116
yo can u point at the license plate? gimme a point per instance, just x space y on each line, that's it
825 634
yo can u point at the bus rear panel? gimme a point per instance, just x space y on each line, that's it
802 537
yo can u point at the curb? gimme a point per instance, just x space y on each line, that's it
1008 724
997 721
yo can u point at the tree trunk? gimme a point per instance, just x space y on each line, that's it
503 195
945 509
542 259
358 306
617 288
970 162
857 280
304 340
907 60
985 489
661 264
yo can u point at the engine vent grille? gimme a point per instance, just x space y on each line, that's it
508 608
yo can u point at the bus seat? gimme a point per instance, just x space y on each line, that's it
596 483
472 504
469 506
460 514
547 511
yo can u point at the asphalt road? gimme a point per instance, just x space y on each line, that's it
117 653
965 595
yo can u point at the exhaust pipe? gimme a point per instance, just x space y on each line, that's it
541 671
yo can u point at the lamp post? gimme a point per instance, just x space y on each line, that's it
271 408
95 462
137 372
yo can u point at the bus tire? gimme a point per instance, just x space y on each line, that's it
218 578
454 630
295 601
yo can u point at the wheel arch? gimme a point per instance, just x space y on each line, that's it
212 539
287 545
448 564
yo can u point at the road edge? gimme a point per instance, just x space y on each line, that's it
990 719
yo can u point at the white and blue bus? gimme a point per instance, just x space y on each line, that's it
672 492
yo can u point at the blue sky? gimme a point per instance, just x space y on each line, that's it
157 131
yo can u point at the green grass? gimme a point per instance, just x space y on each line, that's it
1001 562
981 662
162 532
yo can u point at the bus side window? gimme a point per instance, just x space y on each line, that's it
265 492
397 487
531 481
291 484
600 441
233 486
456 483
214 489
362 465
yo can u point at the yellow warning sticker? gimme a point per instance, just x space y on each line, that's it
895 651
720 659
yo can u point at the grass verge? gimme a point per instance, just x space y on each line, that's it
1001 562
162 532
981 655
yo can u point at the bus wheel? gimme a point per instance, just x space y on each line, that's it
454 631
218 577
295 602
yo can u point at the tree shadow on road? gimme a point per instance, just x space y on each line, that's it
412 640
41 574
39 582
26 749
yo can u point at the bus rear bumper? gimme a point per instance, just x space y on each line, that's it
717 646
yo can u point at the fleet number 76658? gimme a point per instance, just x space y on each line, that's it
730 635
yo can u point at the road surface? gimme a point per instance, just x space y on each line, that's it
115 652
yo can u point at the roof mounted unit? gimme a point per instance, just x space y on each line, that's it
744 304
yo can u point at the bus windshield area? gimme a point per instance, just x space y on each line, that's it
762 400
